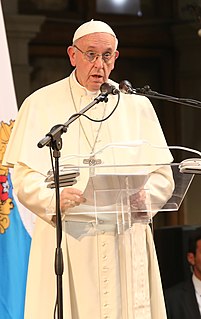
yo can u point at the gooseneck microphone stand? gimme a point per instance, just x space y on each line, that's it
54 141
126 87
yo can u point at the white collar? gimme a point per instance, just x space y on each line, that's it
87 92
197 284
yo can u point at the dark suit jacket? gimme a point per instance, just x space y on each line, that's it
181 302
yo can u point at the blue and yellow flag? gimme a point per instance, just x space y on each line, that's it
15 221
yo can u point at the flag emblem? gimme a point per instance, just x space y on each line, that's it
6 200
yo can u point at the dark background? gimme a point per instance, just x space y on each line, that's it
159 45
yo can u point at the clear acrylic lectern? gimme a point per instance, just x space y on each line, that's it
124 185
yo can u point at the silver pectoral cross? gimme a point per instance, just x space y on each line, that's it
92 162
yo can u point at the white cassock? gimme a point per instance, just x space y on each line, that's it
94 286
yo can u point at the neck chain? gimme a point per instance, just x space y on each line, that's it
92 146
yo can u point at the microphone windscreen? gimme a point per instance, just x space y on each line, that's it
108 88
125 87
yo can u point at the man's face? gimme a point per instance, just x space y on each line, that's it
195 260
92 74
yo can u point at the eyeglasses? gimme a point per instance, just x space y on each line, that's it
92 56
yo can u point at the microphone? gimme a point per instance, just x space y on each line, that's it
109 89
126 87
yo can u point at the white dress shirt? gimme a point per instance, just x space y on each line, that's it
197 286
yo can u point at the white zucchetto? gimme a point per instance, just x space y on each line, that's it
92 27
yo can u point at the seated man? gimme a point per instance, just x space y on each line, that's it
183 301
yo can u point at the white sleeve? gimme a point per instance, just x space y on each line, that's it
161 186
32 192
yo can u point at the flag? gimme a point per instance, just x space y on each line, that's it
16 222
